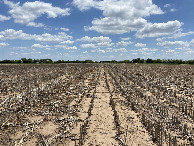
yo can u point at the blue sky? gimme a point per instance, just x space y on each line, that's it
97 29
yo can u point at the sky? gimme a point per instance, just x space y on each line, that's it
97 29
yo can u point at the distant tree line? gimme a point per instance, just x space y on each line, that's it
168 61
138 60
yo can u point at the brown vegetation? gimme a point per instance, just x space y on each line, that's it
96 104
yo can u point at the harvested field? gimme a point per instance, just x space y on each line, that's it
97 104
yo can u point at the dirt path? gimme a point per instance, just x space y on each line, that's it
101 126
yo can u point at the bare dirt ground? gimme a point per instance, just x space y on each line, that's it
102 129
101 126
99 117
133 132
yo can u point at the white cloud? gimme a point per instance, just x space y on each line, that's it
88 46
66 47
123 43
98 45
173 10
11 34
184 49
134 53
94 39
29 53
68 42
30 11
190 52
96 42
125 39
123 50
148 49
71 48
145 50
104 44
180 34
120 16
20 48
170 51
101 51
167 5
39 46
192 43
114 25
64 29
4 44
48 48
85 52
120 50
175 43
98 51
159 29
4 18
176 35
140 45
46 37
160 39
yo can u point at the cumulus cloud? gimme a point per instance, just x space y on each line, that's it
66 47
39 46
181 34
170 51
192 43
46 37
98 50
175 43
101 51
4 44
96 42
112 25
125 39
173 10
122 50
47 47
167 5
68 42
11 34
148 49
19 48
140 45
85 52
176 35
98 45
145 50
88 46
4 18
64 29
123 43
104 44
184 49
159 29
120 16
30 11
94 39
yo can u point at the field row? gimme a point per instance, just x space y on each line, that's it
97 104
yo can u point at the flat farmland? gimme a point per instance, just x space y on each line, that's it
97 104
